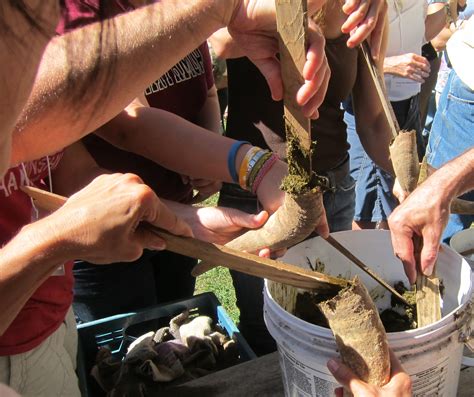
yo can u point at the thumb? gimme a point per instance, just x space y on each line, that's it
148 239
323 228
164 218
347 378
270 68
248 221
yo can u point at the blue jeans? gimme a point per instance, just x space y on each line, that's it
374 198
452 134
248 289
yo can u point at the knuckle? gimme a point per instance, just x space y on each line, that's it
132 178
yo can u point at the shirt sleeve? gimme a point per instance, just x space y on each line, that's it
78 13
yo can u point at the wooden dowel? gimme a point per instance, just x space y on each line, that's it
220 255
344 251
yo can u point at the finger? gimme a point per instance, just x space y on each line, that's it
429 252
314 115
350 6
363 30
400 380
358 16
150 240
396 366
315 55
377 34
416 77
317 88
346 377
278 253
162 217
403 248
264 253
270 68
251 221
323 228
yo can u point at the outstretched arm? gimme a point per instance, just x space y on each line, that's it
75 94
425 213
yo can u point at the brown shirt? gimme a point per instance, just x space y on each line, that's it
255 117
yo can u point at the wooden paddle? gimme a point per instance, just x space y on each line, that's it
428 298
219 255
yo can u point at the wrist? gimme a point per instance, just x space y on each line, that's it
41 245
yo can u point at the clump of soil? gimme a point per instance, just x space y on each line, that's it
399 317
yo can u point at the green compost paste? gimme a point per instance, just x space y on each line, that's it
400 317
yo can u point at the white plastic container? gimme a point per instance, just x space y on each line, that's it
463 241
431 355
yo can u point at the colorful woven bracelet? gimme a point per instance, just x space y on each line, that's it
253 163
256 168
263 171
231 159
245 164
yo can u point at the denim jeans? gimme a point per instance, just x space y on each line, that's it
374 199
452 133
248 289
105 290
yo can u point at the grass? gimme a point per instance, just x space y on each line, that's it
218 280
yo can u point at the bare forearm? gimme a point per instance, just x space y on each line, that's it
376 142
454 178
435 20
25 263
209 117
172 142
131 57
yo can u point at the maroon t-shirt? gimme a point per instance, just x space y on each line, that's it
182 90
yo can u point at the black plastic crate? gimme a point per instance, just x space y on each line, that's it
117 332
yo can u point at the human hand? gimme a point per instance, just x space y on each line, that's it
101 221
366 20
411 66
220 225
398 386
424 213
205 187
398 191
253 27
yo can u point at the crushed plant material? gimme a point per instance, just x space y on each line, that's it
398 318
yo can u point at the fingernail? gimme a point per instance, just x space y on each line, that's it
333 365
428 271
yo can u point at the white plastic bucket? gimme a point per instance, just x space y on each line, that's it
431 355
463 241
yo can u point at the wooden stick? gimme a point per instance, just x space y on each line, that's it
427 292
380 87
344 251
428 300
220 255
292 23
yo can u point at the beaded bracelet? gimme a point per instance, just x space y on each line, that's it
231 159
244 166
263 171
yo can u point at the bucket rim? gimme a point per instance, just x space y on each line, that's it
428 330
